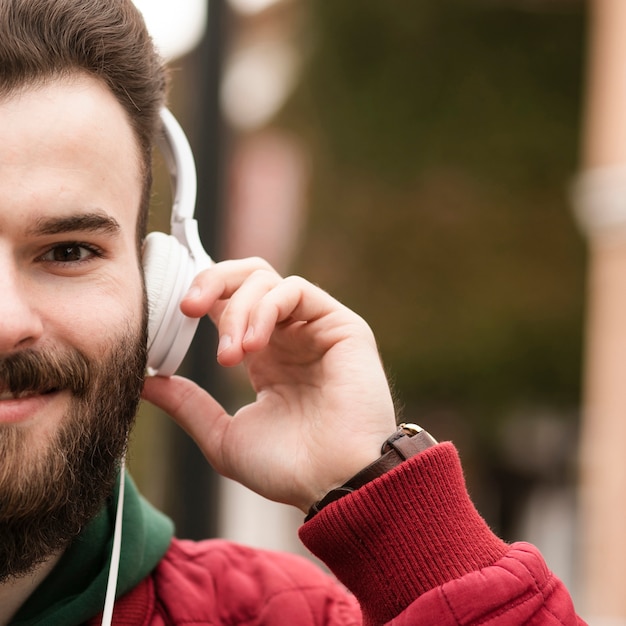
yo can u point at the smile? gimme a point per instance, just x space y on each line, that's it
20 395
23 406
24 394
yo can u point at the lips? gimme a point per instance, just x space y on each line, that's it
25 405
25 393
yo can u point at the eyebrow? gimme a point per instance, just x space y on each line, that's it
84 222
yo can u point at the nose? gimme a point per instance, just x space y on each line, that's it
20 324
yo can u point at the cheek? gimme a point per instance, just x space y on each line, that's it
99 312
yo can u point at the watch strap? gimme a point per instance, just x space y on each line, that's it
407 441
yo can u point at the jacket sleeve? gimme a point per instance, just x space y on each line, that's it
413 549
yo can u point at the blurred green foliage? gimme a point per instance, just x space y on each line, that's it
443 137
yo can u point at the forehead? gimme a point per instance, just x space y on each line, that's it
66 146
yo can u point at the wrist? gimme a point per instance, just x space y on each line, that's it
407 441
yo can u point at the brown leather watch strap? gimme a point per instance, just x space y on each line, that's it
407 441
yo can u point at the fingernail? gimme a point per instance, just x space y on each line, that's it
249 334
193 293
226 341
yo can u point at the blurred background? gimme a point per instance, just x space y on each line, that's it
415 160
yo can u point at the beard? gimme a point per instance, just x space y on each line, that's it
47 496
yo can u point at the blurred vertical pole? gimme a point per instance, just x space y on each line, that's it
196 498
603 442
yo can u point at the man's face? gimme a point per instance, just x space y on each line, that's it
72 327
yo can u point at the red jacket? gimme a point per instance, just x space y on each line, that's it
410 546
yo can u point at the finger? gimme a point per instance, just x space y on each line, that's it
219 282
195 410
293 299
234 321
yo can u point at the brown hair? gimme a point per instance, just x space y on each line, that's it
44 39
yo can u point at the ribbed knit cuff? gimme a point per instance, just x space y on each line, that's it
403 534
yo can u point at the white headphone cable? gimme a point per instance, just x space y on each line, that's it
109 599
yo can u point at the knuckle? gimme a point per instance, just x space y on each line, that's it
262 274
260 264
295 281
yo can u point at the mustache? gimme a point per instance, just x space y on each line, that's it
44 371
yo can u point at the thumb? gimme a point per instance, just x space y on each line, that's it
192 408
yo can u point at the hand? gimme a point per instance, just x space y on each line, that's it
323 406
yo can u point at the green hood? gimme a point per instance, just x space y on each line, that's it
75 589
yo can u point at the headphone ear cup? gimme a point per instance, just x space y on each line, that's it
168 272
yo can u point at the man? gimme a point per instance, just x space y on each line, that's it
80 93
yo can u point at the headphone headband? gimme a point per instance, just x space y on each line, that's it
180 163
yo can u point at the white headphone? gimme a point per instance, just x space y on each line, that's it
170 262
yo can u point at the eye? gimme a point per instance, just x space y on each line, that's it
71 252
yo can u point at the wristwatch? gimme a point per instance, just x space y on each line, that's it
407 441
